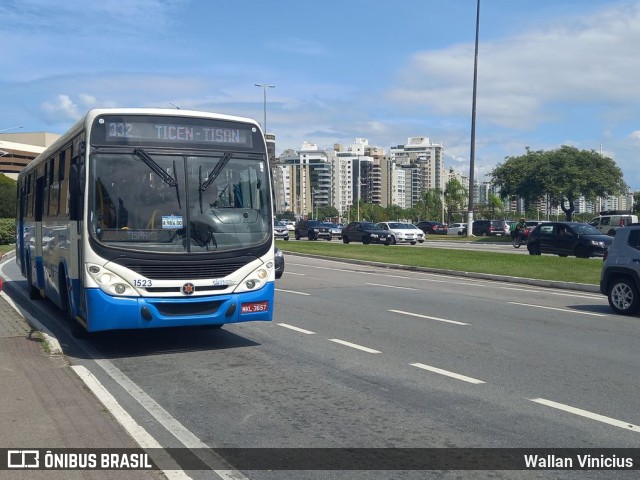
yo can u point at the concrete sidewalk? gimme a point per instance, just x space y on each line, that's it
44 404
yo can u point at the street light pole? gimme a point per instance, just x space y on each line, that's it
473 129
264 88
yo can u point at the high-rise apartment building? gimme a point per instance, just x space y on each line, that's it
428 158
307 177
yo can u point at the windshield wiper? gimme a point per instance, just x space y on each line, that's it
213 174
158 170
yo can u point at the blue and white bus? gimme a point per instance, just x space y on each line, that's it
144 218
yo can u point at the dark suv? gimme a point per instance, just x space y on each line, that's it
620 277
487 228
312 229
432 227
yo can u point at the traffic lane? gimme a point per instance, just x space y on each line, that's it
549 360
288 392
513 342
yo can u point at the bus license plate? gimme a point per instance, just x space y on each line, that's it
254 307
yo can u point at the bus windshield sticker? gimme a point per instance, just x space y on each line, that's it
172 221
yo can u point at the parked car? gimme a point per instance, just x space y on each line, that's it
312 229
335 229
568 238
365 232
456 228
620 276
435 228
488 228
280 230
400 233
291 225
529 225
279 262
611 220
418 232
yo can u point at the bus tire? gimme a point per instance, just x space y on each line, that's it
34 293
77 330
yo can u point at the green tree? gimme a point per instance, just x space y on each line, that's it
430 205
636 203
455 198
564 174
327 212
495 206
8 189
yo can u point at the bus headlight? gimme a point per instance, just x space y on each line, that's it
255 279
109 282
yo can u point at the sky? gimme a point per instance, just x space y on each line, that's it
550 72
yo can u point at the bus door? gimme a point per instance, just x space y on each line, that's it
36 246
20 228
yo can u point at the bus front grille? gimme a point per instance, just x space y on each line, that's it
191 271
192 308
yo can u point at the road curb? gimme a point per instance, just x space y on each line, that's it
583 287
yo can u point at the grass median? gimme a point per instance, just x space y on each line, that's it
543 267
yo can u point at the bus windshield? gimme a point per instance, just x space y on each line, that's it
164 202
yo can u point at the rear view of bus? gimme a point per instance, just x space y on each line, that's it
174 222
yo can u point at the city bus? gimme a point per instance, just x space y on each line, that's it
142 218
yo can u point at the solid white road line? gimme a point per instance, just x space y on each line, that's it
587 414
548 291
297 329
353 345
447 373
291 291
139 434
428 317
390 286
566 310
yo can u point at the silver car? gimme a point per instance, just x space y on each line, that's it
401 233
280 230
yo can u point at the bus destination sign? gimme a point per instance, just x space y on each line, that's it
137 131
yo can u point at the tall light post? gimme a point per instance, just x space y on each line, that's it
473 129
264 88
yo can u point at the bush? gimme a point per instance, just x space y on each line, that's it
7 231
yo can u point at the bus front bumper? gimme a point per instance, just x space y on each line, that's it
113 313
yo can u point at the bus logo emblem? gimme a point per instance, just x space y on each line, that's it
188 288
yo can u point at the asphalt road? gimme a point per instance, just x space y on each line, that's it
360 356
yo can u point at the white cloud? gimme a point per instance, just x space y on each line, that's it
520 79
63 107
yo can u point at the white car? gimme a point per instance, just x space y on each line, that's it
417 231
401 232
291 225
456 228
